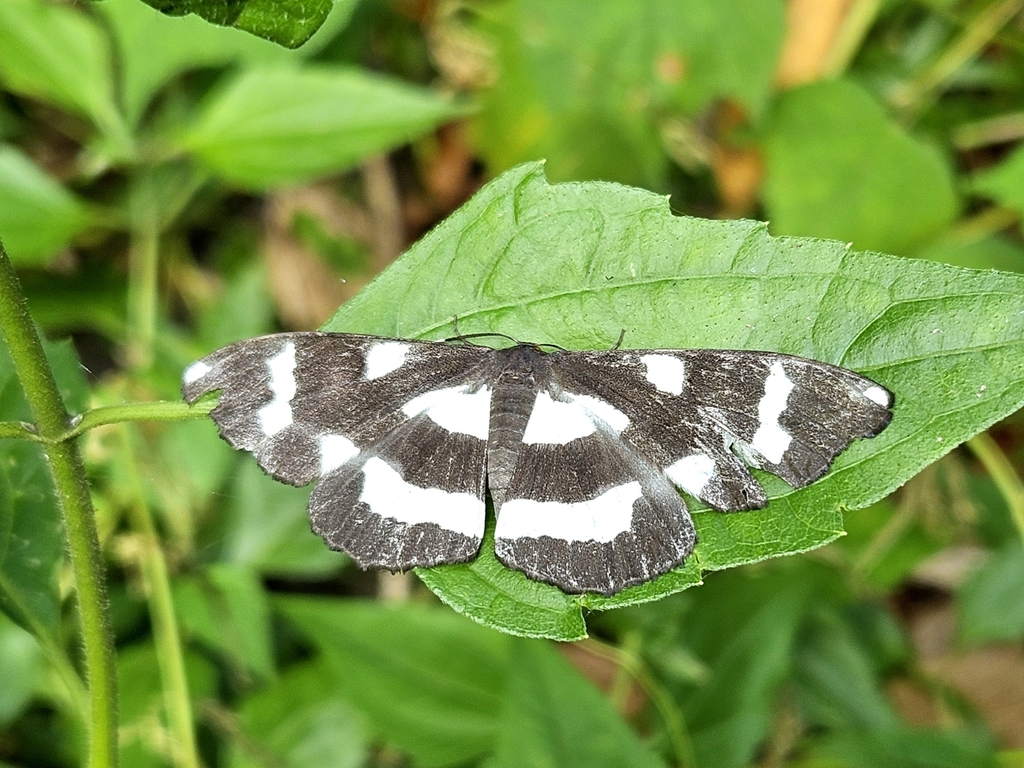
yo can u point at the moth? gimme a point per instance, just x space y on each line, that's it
583 453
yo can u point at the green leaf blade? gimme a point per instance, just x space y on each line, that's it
575 264
286 22
38 216
838 166
57 53
286 126
396 665
553 717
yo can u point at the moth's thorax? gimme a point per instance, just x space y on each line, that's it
523 363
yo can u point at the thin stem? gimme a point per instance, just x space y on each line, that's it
983 224
72 491
1001 129
143 277
1003 475
157 583
114 414
848 40
159 411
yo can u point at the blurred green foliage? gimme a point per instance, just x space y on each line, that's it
168 186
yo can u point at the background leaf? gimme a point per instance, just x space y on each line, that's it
553 716
283 125
226 609
991 601
1004 182
268 528
301 720
38 216
626 263
838 166
587 86
57 53
395 664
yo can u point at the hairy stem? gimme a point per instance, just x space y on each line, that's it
72 491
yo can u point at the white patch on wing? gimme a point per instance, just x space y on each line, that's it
387 494
692 473
557 422
455 409
383 358
195 372
878 395
665 372
770 439
605 411
277 414
335 450
599 519
553 422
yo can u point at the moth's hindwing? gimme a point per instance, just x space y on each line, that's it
394 431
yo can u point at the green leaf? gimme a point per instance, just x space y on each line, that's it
31 530
22 668
155 47
141 701
906 748
286 126
553 717
744 629
904 551
268 528
301 720
286 22
575 264
58 54
836 684
991 601
838 166
587 84
991 252
226 609
429 681
38 216
1004 182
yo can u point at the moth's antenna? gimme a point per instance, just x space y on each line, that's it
622 335
464 337
455 327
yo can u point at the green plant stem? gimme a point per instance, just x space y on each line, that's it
72 491
114 414
854 29
143 278
1003 475
975 36
158 411
1000 129
170 656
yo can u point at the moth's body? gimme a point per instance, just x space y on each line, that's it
582 452
518 371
